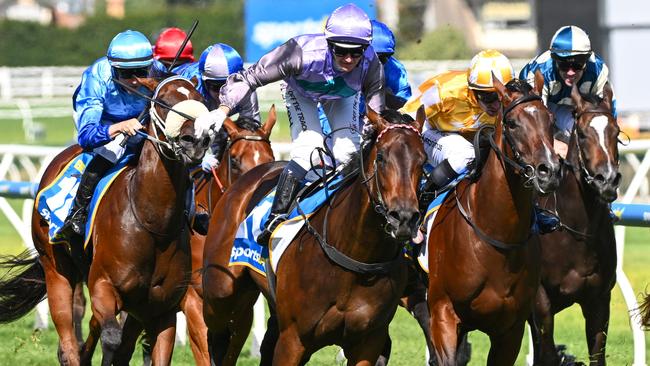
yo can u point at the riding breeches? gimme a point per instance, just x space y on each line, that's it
447 145
306 131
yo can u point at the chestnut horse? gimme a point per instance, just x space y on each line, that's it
482 272
579 261
248 146
323 295
140 242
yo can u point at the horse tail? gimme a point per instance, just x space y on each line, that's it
644 310
20 292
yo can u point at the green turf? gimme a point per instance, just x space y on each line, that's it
21 346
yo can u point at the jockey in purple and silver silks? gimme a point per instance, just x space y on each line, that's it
568 60
105 112
332 69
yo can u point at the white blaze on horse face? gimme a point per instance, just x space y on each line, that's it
183 90
256 157
549 151
599 123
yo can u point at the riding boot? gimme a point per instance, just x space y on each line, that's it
288 185
439 177
76 220
547 221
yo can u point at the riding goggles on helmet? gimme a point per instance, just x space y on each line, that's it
141 72
344 49
577 63
486 97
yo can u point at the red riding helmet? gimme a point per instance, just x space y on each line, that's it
168 43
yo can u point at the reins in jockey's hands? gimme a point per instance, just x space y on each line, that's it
210 123
129 127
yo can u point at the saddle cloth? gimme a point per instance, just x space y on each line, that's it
247 252
54 202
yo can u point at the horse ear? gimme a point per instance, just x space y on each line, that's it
148 83
230 127
375 119
608 95
539 83
195 81
420 118
500 89
577 98
270 122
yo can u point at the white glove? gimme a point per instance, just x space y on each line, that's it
207 121
209 161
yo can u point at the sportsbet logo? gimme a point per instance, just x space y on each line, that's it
237 255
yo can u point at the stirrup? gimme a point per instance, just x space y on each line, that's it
271 225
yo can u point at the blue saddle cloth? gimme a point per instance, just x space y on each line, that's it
54 202
247 252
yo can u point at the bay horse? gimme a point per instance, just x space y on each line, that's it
248 146
483 271
579 260
140 243
318 300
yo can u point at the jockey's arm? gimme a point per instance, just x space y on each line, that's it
373 88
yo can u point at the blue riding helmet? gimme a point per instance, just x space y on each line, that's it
218 61
570 41
348 24
383 39
130 49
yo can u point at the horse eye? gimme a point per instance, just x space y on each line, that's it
511 123
380 158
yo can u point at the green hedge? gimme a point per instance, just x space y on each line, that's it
30 44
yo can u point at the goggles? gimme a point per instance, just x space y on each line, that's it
141 72
486 97
354 52
214 85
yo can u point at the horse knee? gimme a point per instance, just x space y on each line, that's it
111 337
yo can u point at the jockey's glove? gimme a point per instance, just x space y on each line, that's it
209 161
209 123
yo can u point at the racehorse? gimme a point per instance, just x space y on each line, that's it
348 300
248 146
482 272
579 261
139 240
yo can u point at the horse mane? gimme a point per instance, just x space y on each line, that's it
389 115
248 123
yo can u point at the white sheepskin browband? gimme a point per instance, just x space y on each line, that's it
174 121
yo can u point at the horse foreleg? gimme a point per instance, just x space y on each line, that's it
444 331
367 350
504 348
270 340
384 356
104 305
596 314
59 297
78 309
192 307
289 350
162 331
89 346
416 304
545 352
131 330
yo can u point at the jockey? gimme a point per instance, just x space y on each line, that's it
216 63
105 112
332 69
568 61
457 104
166 47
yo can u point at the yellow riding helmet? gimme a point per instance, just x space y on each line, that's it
483 65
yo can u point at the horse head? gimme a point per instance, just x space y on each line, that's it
395 161
248 144
595 135
525 129
177 103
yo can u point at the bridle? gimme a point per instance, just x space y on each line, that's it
232 142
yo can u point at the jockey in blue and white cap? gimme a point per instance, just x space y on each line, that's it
105 112
569 60
332 69
216 63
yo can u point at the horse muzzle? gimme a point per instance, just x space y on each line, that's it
546 177
192 149
607 186
402 224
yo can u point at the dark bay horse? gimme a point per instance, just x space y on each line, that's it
318 301
248 146
579 261
140 238
482 272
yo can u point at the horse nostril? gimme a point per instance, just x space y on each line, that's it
617 180
543 170
599 178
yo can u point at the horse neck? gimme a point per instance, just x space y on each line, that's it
158 187
500 204
364 240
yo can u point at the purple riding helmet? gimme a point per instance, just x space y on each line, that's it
348 24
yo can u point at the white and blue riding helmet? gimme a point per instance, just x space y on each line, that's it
218 61
570 42
129 50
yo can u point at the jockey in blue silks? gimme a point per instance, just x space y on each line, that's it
216 63
331 69
105 112
569 60
397 87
